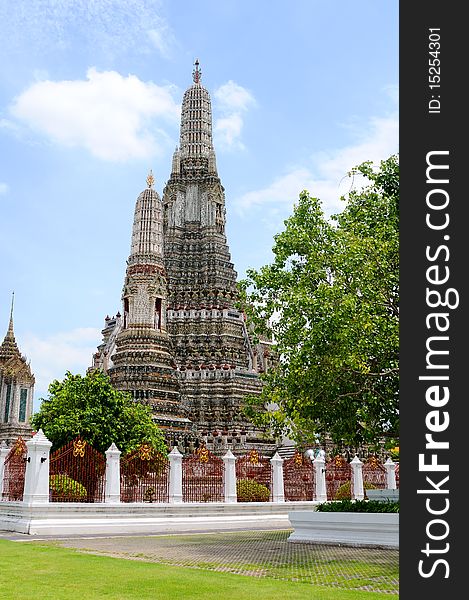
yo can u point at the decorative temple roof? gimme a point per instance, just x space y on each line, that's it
12 363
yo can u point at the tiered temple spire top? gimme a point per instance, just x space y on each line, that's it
147 231
196 120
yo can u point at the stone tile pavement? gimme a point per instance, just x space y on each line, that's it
257 554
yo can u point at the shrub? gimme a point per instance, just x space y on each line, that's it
248 490
63 486
345 490
374 506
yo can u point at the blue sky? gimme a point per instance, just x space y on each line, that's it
90 94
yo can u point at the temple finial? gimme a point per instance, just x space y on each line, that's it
12 304
150 179
10 333
196 73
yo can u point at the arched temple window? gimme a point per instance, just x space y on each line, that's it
23 402
7 404
158 313
126 311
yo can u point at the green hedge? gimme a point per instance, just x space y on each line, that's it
63 486
372 506
248 490
345 490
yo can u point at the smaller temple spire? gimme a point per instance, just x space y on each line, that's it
150 179
196 73
9 347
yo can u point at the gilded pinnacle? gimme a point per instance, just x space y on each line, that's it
150 179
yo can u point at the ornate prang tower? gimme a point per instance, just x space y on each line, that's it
16 390
139 347
218 365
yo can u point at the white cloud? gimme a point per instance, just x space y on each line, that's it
3 188
228 130
232 101
233 97
325 176
280 191
9 126
108 27
392 92
163 38
51 356
115 118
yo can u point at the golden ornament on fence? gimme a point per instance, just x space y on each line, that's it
298 459
20 446
145 452
254 457
203 454
79 448
339 461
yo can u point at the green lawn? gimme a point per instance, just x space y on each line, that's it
32 570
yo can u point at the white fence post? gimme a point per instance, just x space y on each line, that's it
357 475
390 467
175 475
319 464
278 490
36 477
4 450
113 475
229 475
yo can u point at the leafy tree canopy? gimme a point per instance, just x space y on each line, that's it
330 299
91 408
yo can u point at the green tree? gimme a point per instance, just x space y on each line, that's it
330 299
90 407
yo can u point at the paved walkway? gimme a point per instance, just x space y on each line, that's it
252 553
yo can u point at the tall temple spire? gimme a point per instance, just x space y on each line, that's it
214 354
